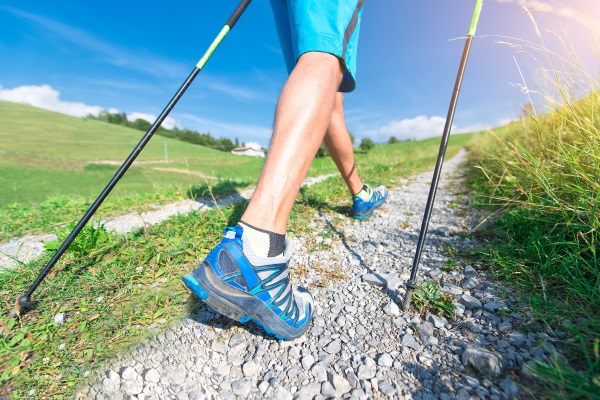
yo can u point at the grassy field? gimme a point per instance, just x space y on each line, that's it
117 290
43 153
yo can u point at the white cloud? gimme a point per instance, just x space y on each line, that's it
44 96
420 127
168 123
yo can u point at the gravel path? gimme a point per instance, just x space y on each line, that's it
360 345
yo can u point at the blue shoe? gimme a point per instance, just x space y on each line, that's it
362 209
240 285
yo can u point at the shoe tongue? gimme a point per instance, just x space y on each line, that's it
366 193
290 246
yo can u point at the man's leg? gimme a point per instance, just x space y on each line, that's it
246 277
339 146
302 116
337 139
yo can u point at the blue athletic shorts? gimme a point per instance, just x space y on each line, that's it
326 26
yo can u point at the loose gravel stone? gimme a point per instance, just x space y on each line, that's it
409 340
484 361
152 375
59 318
392 309
241 387
341 385
385 360
470 302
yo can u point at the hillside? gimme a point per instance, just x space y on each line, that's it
46 153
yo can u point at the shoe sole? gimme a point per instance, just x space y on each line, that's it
370 212
237 305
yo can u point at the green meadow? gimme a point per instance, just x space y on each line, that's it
43 153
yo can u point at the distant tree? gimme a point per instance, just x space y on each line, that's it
322 151
185 135
140 124
352 137
366 144
393 140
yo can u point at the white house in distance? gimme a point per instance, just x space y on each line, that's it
252 149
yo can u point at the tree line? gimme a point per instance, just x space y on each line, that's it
185 135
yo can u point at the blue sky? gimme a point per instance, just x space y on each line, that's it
78 57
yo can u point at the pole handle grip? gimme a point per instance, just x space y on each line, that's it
237 13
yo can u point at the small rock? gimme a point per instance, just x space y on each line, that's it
470 283
309 391
307 362
373 279
385 360
470 302
59 318
517 338
492 306
434 273
132 387
504 326
443 231
426 331
196 394
470 272
340 384
250 369
241 387
437 321
365 372
510 388
236 339
387 389
152 375
472 382
452 289
409 340
334 347
319 371
392 309
281 393
129 374
327 390
483 361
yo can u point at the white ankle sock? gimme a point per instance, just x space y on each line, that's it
264 243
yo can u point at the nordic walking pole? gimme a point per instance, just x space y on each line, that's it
411 284
25 300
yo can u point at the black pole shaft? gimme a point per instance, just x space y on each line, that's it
410 285
25 300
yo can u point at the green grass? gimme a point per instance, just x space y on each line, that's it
544 175
428 297
44 153
117 290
